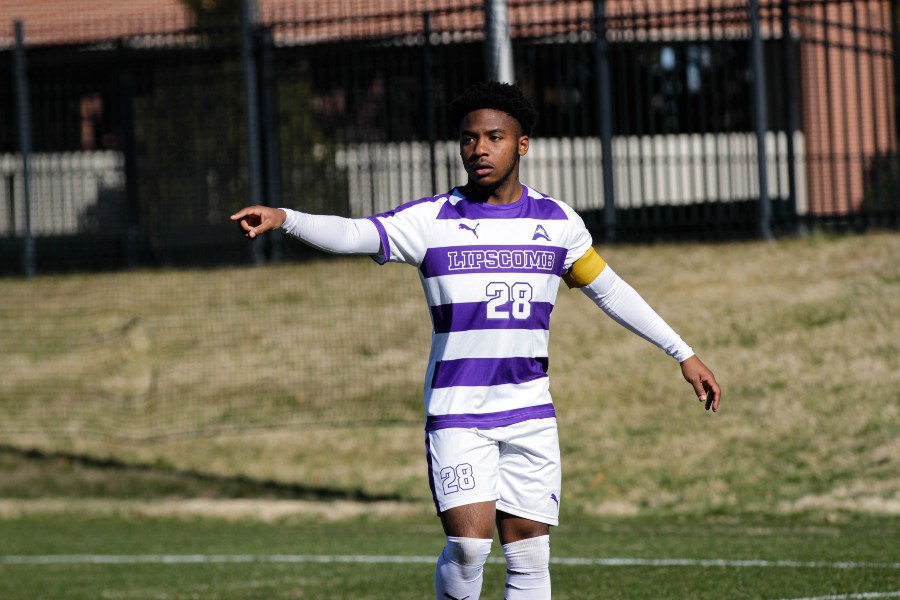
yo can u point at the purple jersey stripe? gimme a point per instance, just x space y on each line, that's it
460 260
469 316
487 371
494 419
524 208
385 244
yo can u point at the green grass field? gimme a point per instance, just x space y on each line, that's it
388 558
801 465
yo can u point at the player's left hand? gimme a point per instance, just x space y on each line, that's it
703 380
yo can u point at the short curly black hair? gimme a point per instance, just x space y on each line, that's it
505 97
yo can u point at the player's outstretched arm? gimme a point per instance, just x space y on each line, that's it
256 220
621 302
339 235
703 380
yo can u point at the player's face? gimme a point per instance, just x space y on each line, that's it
490 144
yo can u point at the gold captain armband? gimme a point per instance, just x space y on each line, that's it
585 269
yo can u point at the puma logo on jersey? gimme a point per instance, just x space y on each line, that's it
540 232
472 229
555 499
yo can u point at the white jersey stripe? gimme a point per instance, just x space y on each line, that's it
507 344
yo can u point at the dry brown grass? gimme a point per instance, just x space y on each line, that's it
804 337
803 334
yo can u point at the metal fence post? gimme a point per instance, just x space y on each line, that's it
23 120
126 84
254 147
272 146
790 100
894 162
11 202
428 86
895 65
604 100
761 120
497 45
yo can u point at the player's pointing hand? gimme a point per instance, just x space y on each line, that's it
256 220
703 380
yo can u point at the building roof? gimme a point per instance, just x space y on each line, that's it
311 21
73 21
76 21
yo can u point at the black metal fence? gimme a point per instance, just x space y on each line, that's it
725 120
715 120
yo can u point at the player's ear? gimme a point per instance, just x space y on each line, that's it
523 145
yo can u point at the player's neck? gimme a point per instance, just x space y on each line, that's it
505 193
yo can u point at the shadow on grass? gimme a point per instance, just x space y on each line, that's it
32 473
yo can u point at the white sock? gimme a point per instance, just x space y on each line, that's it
528 569
460 568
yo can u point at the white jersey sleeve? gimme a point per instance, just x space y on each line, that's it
627 308
338 235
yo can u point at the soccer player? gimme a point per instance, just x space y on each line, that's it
490 255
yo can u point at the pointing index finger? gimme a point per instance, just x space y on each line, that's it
242 213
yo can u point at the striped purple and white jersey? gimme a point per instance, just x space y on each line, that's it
490 274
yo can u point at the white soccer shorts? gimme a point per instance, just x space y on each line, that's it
517 465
